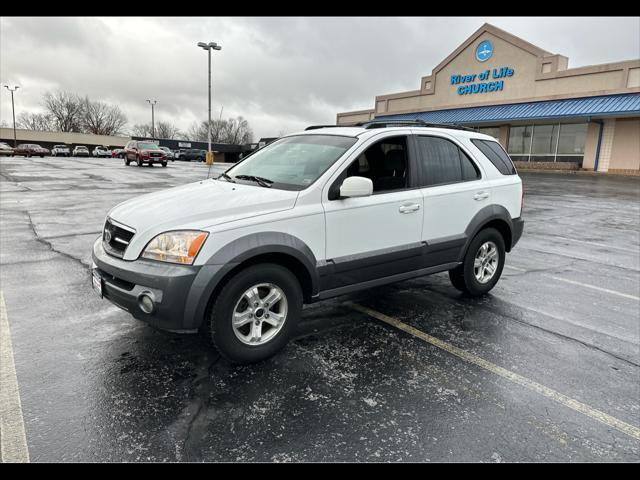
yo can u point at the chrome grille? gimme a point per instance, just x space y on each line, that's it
116 237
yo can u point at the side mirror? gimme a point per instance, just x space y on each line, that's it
356 187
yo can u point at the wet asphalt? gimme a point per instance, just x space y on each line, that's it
97 385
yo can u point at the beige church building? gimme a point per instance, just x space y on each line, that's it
530 100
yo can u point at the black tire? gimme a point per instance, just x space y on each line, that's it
139 162
220 320
126 161
200 159
164 164
464 278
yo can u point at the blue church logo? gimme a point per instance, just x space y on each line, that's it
484 51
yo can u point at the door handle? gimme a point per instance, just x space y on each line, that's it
481 195
413 207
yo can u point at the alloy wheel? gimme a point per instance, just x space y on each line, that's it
259 314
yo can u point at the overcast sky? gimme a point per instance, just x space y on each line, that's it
281 74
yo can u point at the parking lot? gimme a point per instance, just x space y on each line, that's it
545 368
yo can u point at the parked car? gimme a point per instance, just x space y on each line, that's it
117 153
101 151
192 154
6 149
61 151
169 153
31 150
311 216
81 151
143 152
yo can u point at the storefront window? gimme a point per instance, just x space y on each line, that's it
572 138
548 143
519 140
491 131
545 139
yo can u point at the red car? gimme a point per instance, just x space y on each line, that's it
31 150
142 152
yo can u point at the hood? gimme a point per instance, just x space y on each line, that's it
198 206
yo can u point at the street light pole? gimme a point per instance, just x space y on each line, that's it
208 47
153 124
13 111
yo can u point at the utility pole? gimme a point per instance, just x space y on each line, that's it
153 124
208 47
13 111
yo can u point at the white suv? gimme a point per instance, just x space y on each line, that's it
313 215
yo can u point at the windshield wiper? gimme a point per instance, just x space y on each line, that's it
228 177
263 182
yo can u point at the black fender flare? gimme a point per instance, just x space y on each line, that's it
235 253
482 218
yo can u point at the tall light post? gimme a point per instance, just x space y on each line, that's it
208 47
13 111
153 124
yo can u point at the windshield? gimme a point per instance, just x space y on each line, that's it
150 146
293 163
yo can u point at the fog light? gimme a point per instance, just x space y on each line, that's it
145 302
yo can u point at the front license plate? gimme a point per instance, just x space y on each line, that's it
97 282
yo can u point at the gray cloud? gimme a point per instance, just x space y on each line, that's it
280 73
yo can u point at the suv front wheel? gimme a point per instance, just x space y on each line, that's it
482 265
256 313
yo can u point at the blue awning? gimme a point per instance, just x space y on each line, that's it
606 105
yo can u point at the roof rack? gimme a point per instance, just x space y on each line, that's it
410 122
315 127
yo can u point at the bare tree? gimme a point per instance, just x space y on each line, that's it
237 131
197 132
66 110
40 122
141 130
233 131
102 119
167 130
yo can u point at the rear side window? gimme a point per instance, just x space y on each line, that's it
496 155
444 162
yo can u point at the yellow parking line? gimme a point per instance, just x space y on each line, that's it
13 441
580 407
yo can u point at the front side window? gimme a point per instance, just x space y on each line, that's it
292 163
384 163
444 162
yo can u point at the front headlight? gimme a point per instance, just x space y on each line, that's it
175 247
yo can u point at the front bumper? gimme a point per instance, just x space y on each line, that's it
124 282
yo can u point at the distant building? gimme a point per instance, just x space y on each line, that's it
539 109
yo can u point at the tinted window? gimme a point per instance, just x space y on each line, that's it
469 170
496 155
443 162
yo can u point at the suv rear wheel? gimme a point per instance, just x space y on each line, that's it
482 265
256 313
